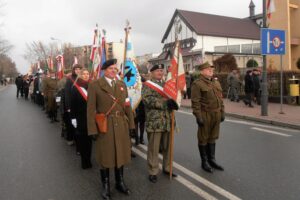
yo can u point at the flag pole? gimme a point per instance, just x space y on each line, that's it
177 31
127 28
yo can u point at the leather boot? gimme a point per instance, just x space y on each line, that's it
105 183
204 160
211 150
120 185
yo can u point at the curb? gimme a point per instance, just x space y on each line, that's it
255 119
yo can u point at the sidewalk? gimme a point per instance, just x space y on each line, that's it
290 119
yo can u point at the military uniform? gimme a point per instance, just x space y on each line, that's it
158 126
112 147
50 90
208 108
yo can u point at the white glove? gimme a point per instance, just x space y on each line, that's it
74 122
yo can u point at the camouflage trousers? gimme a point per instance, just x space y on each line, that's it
209 132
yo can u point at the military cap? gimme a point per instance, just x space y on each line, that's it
109 63
155 67
77 66
203 66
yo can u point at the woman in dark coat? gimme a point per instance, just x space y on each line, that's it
249 88
79 117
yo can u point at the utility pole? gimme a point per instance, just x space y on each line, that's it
264 85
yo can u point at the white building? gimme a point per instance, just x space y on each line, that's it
206 37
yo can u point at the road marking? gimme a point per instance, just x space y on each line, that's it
182 180
199 179
250 123
272 132
261 125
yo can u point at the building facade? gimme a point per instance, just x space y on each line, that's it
206 37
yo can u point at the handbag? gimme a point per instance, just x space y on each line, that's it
101 119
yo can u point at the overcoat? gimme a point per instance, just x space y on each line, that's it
113 147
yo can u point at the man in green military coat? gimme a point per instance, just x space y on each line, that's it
158 110
112 147
208 108
49 91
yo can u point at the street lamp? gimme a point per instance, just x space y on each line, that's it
60 43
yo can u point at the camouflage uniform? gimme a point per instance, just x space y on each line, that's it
158 124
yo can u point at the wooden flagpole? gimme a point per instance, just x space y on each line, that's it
127 28
171 140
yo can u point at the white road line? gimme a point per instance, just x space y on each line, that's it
200 179
261 125
272 132
182 180
250 123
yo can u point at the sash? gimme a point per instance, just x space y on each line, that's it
81 90
157 88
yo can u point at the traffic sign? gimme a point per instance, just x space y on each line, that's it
272 41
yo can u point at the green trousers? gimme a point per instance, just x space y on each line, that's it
154 141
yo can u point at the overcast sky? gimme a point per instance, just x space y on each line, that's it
73 21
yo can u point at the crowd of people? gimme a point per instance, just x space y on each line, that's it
252 86
99 112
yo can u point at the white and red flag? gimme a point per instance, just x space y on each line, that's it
95 57
60 66
50 63
75 62
175 82
270 8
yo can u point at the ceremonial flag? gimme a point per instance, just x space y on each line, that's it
60 66
50 63
132 76
270 8
94 57
75 62
103 56
175 82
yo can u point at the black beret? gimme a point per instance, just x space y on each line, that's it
109 63
155 67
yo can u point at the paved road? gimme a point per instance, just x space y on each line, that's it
261 162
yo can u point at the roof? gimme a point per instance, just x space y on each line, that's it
216 25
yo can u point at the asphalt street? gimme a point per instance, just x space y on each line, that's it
261 161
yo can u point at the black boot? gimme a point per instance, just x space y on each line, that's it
120 185
204 159
211 150
105 183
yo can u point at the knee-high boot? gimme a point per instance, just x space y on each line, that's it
120 185
211 151
204 160
105 183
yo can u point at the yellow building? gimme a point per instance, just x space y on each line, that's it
286 17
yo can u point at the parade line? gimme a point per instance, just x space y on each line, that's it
194 176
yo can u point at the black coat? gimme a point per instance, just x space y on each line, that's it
68 88
249 85
19 82
256 82
79 110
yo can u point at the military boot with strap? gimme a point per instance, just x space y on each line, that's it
105 183
211 151
204 159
